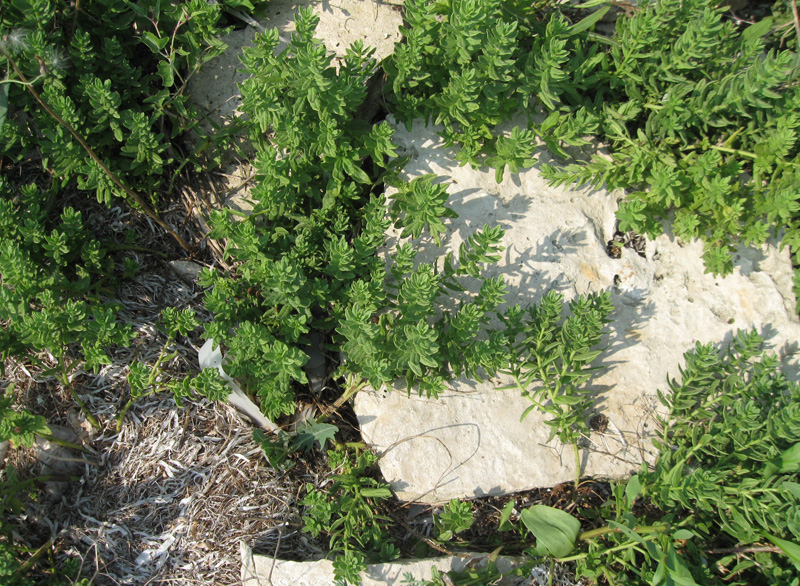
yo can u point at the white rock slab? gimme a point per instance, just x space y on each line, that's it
470 441
258 570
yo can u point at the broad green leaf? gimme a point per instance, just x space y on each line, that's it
153 42
556 531
677 570
589 21
376 493
789 548
167 72
315 432
792 487
632 490
786 463
757 30
682 534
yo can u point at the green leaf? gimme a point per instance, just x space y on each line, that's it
376 493
276 448
155 44
677 570
682 534
785 463
319 433
556 531
789 548
630 533
505 516
589 21
632 490
167 72
757 30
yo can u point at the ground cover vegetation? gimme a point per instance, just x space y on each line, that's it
700 116
699 113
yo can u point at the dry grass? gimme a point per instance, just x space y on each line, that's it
168 497
169 500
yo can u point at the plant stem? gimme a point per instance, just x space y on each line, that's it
125 410
353 386
31 561
152 381
577 454
723 149
62 374
760 548
128 191
600 531
63 443
89 416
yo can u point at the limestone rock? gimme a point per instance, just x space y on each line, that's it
259 569
187 270
57 460
470 442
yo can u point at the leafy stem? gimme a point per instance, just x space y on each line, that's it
152 385
62 372
111 175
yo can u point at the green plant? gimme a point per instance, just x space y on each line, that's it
470 65
51 273
145 379
468 83
278 447
730 458
397 326
346 514
724 485
316 224
702 122
550 360
19 427
700 114
307 252
104 108
456 516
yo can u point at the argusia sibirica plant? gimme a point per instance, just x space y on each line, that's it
51 275
306 255
105 108
551 361
700 113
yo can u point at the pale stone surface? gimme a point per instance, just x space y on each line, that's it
188 270
376 24
470 442
258 570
